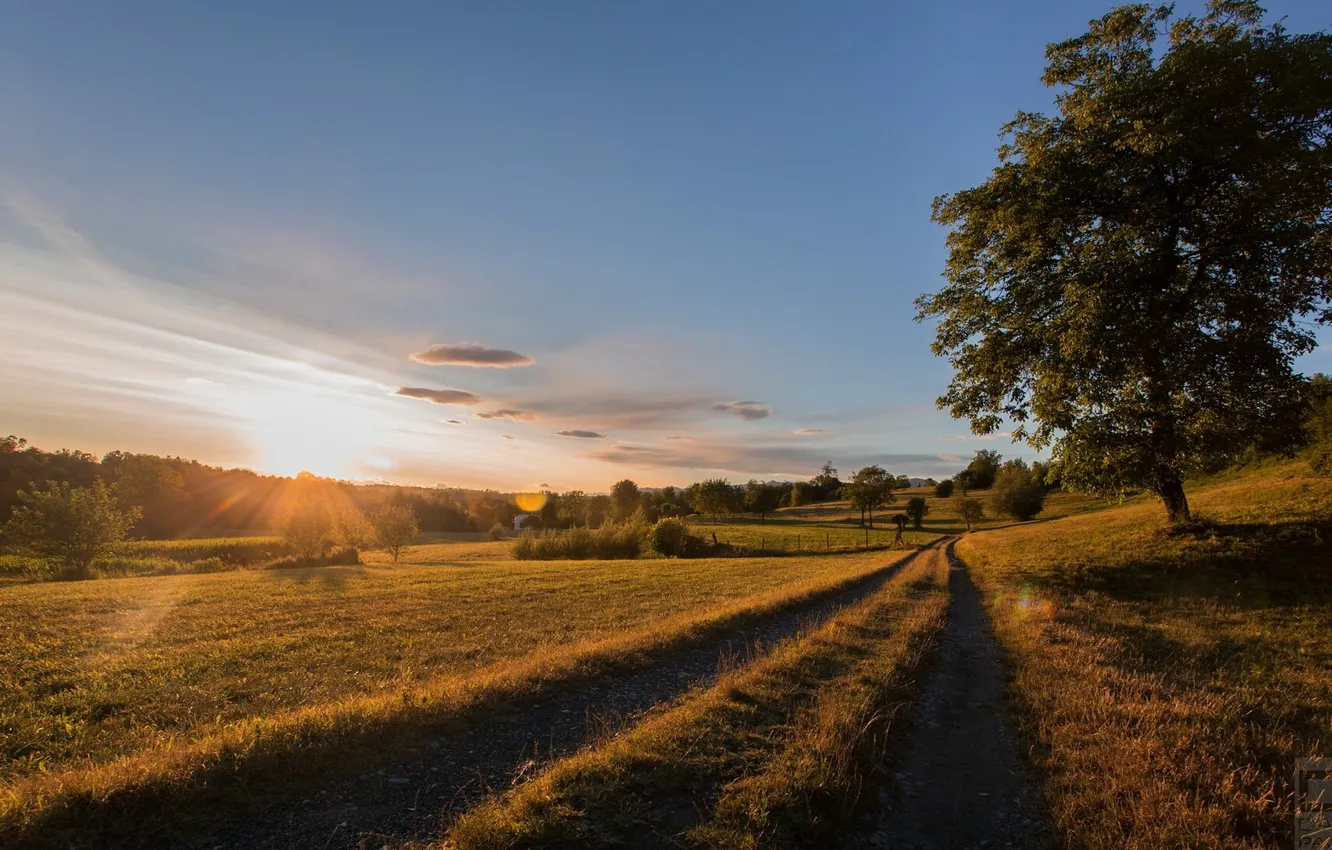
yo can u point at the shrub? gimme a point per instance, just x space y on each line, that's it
611 541
307 529
496 532
669 537
916 508
210 565
73 526
944 489
1015 495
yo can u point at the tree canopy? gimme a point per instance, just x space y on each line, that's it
1132 283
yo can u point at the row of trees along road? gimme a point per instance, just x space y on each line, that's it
1131 285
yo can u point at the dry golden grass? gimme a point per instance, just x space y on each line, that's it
119 696
785 740
1170 681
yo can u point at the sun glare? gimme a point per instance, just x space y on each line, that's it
314 430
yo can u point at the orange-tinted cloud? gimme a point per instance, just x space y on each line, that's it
471 354
440 396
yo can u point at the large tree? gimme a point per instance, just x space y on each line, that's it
1134 280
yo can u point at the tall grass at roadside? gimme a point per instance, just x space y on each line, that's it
1170 680
403 670
777 777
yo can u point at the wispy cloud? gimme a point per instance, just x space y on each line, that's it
452 422
963 438
515 415
624 411
808 432
582 435
747 410
506 436
440 396
757 459
471 354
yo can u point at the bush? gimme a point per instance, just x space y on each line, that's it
916 508
307 529
944 489
1015 495
671 538
73 526
612 541
496 532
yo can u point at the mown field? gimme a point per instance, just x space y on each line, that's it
111 686
774 754
1169 681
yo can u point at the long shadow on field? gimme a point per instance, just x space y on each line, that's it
402 779
415 797
1249 565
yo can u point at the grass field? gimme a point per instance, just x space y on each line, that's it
772 755
141 683
1170 681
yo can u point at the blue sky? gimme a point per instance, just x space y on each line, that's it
225 228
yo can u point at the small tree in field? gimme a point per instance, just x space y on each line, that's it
969 509
1135 281
870 488
716 496
915 509
73 526
944 488
762 499
307 528
395 528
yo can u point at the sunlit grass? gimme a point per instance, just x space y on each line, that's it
775 749
1172 680
139 687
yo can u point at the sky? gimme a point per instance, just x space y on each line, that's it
500 244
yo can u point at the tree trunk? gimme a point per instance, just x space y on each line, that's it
1171 490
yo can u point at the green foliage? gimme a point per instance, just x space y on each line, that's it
496 532
1133 282
716 496
74 526
970 510
916 509
671 538
982 469
307 528
871 487
625 498
395 528
608 542
944 489
1014 494
826 485
799 494
762 499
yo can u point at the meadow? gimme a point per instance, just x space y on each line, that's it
135 686
773 754
1168 681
